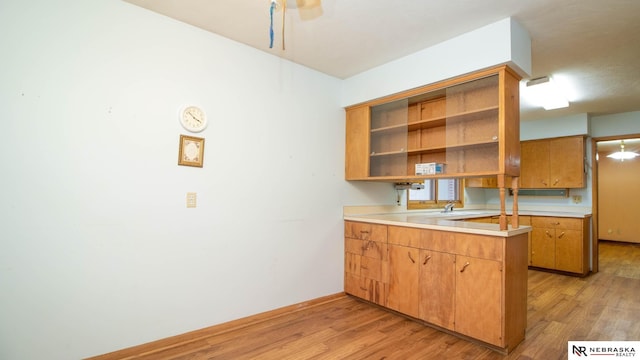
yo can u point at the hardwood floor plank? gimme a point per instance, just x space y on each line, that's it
302 347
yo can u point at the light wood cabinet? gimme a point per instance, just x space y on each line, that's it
475 285
437 288
470 124
404 270
553 163
526 220
483 182
366 261
422 280
560 243
478 286
404 280
357 143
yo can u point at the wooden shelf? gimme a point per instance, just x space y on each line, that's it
437 121
390 153
421 178
452 147
437 149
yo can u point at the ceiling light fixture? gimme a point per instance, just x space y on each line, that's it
622 155
545 92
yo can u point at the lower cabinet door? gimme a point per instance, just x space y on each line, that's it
543 248
437 287
478 306
404 274
569 251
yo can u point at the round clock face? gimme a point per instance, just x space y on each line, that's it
193 119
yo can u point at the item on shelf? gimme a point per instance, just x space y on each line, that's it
429 168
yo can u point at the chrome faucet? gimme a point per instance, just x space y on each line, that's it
449 207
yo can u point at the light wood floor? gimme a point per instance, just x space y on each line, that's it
603 306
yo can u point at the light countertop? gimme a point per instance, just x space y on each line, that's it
437 220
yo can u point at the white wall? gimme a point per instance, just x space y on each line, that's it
615 124
99 251
577 124
502 42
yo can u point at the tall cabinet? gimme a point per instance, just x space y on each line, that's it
469 125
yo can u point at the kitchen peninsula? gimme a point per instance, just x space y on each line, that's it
468 278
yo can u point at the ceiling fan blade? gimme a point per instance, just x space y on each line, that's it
307 4
309 9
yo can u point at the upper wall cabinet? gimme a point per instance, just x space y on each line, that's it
470 124
553 163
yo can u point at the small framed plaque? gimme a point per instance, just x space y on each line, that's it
191 151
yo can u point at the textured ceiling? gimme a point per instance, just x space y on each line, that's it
590 46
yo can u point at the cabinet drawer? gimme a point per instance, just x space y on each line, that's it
405 236
444 241
365 288
522 219
367 267
366 248
479 246
365 231
422 238
556 222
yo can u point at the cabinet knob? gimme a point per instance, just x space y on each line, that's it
561 235
548 234
427 258
464 266
556 182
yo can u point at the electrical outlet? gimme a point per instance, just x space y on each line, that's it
191 199
577 199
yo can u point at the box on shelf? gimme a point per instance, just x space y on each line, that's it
429 168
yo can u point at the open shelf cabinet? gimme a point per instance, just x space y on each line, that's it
471 124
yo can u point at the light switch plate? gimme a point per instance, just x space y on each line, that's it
191 199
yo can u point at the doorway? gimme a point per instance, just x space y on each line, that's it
616 196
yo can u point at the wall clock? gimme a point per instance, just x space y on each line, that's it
193 118
191 151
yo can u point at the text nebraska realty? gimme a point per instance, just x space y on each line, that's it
612 351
